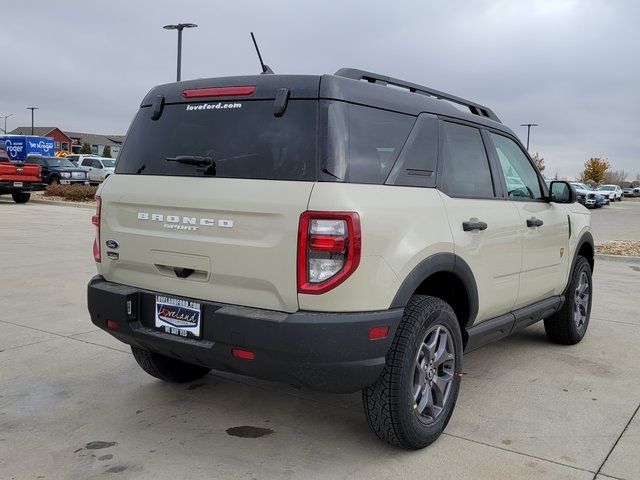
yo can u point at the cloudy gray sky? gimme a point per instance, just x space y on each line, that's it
571 66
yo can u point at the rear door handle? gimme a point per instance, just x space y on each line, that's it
534 222
473 225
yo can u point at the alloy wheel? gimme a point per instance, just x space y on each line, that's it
434 369
581 301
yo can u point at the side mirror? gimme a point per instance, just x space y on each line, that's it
561 192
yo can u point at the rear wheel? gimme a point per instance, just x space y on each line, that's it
21 197
568 325
413 399
167 368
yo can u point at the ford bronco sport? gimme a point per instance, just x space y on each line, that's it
339 232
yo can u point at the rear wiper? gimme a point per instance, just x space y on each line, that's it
192 160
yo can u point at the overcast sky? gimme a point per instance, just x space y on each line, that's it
571 66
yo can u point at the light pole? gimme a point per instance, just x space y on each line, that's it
528 125
179 27
5 122
32 109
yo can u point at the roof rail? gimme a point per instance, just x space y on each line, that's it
474 108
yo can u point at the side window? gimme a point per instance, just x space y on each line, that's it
416 166
375 139
86 162
466 171
519 174
96 164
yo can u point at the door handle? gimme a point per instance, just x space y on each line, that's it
534 222
473 225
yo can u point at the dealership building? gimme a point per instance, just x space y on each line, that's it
71 142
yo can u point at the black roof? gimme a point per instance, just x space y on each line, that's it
349 85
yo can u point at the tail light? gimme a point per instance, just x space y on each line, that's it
96 221
329 246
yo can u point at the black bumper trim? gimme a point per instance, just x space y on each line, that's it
323 351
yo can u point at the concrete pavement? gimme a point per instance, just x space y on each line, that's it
75 405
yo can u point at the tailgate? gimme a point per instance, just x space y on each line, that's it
239 237
10 172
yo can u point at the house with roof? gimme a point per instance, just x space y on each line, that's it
71 142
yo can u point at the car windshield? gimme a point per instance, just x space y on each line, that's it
59 162
109 163
606 187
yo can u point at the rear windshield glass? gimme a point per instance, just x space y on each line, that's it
241 139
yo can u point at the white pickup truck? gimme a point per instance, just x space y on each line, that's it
98 168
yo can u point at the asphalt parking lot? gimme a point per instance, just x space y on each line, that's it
75 405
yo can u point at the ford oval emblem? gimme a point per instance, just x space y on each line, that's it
112 244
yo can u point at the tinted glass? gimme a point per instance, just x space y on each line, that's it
375 139
416 165
519 174
240 139
361 144
466 170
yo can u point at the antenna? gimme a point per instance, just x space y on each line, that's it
265 68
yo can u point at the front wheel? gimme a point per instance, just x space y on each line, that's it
167 368
21 197
568 325
413 399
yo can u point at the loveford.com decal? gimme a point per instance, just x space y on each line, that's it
214 106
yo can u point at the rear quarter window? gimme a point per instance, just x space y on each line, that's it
361 144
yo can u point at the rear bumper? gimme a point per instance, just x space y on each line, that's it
9 187
323 351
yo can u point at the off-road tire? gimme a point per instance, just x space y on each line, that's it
167 368
561 326
21 197
388 404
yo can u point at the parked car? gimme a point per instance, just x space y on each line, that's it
77 158
18 179
631 192
585 196
614 192
601 200
58 170
98 168
335 233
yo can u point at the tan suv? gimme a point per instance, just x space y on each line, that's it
339 232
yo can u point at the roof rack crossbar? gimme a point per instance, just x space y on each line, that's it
474 108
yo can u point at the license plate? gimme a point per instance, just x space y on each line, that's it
178 316
65 182
17 184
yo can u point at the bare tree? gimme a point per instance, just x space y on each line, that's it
538 162
617 177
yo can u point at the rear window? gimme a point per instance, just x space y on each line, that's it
241 139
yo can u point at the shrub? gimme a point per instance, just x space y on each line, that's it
72 193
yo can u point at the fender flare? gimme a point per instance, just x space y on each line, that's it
585 238
439 262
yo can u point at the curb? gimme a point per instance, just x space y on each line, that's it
617 258
64 204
